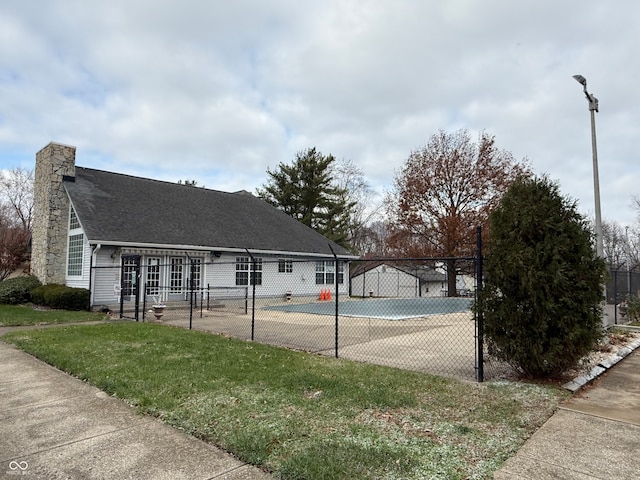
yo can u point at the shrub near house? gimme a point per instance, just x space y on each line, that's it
60 296
17 290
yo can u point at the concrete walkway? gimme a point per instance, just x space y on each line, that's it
54 426
596 435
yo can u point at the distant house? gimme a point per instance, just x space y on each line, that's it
391 279
110 233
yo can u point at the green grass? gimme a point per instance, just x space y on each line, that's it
297 415
15 315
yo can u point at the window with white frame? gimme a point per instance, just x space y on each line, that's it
153 276
176 274
326 272
75 246
285 265
74 259
74 223
245 273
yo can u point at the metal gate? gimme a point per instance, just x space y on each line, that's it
130 285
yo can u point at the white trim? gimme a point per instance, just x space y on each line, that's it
200 248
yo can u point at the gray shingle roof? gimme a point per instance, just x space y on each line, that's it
120 208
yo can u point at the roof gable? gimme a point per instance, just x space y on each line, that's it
121 208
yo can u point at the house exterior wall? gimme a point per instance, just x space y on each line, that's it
387 281
50 212
105 277
216 272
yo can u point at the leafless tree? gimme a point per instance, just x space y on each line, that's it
615 244
365 210
16 192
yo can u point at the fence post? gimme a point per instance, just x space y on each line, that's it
615 297
192 264
335 259
252 276
479 312
144 302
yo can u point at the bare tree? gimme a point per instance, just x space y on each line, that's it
634 245
358 192
16 192
445 190
13 247
615 245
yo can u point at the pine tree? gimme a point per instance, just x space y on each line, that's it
305 190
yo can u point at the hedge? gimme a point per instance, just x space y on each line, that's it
17 290
60 296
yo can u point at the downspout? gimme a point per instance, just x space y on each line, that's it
94 254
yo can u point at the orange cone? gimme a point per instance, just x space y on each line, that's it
328 295
321 295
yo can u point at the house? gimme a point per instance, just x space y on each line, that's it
113 233
396 279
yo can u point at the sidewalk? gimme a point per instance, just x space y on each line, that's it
54 426
596 435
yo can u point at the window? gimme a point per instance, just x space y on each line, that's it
196 272
74 259
130 272
153 276
326 272
285 266
176 274
74 223
245 271
242 270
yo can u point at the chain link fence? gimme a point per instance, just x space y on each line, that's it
406 313
623 284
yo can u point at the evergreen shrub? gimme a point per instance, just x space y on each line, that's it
544 282
17 290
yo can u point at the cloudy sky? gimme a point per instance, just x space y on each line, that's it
219 91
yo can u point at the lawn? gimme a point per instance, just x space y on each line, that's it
13 315
300 415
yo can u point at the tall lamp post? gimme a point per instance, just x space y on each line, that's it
593 108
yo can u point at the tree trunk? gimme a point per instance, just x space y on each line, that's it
451 278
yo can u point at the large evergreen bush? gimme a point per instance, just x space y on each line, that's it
541 300
14 291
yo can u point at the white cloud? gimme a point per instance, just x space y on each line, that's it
220 91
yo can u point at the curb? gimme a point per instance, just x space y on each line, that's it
577 383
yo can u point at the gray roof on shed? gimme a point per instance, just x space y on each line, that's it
117 208
423 272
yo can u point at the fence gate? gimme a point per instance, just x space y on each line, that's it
130 285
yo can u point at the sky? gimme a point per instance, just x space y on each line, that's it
220 91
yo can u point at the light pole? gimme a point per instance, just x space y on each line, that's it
593 108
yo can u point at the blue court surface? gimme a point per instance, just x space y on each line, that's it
386 308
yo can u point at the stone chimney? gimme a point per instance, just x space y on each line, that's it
51 212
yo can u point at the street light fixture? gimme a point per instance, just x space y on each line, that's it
593 107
